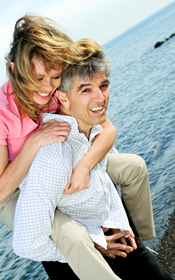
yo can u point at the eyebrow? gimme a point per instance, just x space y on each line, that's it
85 85
43 75
105 82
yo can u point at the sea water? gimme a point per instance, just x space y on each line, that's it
142 100
142 108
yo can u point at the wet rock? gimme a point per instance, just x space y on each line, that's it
159 43
166 252
173 34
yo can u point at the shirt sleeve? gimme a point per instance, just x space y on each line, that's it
117 217
3 130
34 215
113 150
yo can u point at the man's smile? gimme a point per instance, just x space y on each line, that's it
99 109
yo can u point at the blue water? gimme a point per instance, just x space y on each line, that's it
141 106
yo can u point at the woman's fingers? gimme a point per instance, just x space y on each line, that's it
51 132
79 180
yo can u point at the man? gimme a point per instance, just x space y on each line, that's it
83 102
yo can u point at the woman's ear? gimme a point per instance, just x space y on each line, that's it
12 66
62 97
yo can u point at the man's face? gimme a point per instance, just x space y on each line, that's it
88 101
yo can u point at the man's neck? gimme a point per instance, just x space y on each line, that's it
82 129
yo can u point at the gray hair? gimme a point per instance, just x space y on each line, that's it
84 70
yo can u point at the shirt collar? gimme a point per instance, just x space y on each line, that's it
96 129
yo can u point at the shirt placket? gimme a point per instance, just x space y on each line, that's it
105 189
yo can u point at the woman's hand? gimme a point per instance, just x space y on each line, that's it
79 179
50 132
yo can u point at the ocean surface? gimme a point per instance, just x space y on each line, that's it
142 108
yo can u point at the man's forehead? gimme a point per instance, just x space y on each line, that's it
99 77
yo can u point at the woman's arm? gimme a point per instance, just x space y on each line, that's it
100 147
11 175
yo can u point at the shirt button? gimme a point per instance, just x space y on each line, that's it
104 185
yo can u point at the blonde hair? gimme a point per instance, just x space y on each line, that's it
41 37
85 69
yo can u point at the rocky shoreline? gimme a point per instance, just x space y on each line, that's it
166 252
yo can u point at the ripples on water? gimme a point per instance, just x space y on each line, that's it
142 105
142 109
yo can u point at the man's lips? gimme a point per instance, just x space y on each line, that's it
97 109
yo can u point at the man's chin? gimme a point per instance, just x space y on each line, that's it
102 120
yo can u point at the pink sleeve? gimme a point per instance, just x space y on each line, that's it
3 129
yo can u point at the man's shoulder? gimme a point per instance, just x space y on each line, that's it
51 162
58 154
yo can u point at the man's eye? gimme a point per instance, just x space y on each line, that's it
85 90
104 86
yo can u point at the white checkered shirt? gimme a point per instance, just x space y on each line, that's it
42 191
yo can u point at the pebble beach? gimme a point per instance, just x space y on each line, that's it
166 252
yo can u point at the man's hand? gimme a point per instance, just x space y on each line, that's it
113 248
116 249
131 238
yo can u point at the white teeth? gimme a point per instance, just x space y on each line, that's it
97 109
43 94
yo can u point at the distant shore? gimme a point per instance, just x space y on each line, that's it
167 247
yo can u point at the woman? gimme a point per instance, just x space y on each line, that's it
23 99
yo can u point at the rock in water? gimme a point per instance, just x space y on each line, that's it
159 43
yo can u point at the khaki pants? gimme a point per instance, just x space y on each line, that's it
7 210
72 238
130 172
73 241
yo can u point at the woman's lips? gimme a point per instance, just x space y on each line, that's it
43 95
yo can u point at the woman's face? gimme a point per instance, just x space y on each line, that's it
50 81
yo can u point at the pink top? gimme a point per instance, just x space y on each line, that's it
15 130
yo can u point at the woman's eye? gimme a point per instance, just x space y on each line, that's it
40 79
57 77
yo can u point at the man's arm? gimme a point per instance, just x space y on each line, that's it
35 212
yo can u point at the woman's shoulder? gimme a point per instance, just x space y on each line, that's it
5 94
8 107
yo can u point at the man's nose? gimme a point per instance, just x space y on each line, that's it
98 95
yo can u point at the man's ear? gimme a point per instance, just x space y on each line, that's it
62 97
12 66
